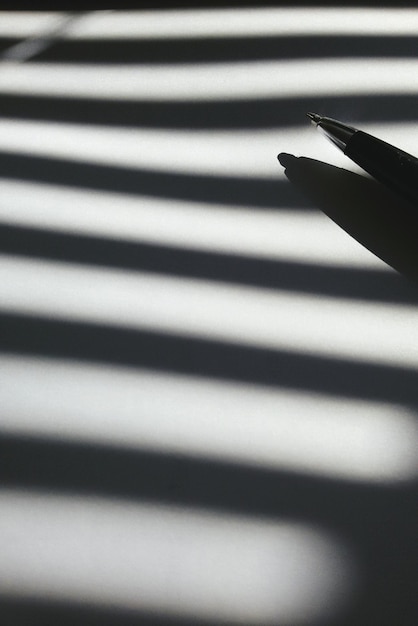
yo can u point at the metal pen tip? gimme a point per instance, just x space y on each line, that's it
314 117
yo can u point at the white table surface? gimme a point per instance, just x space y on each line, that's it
208 388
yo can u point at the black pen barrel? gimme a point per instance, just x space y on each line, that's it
391 166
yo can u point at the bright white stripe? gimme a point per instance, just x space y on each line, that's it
170 560
306 324
245 22
286 235
220 153
281 430
252 153
250 80
29 23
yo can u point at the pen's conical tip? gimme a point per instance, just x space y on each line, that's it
314 117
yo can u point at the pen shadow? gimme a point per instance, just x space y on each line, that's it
370 213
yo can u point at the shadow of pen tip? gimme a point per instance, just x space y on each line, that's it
286 159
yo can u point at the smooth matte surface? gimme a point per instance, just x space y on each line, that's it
208 357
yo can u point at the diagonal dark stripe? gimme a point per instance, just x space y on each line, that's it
139 474
31 611
221 114
89 342
231 190
352 511
220 49
355 283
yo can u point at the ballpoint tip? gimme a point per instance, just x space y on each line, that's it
314 117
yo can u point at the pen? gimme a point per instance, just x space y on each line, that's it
389 165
